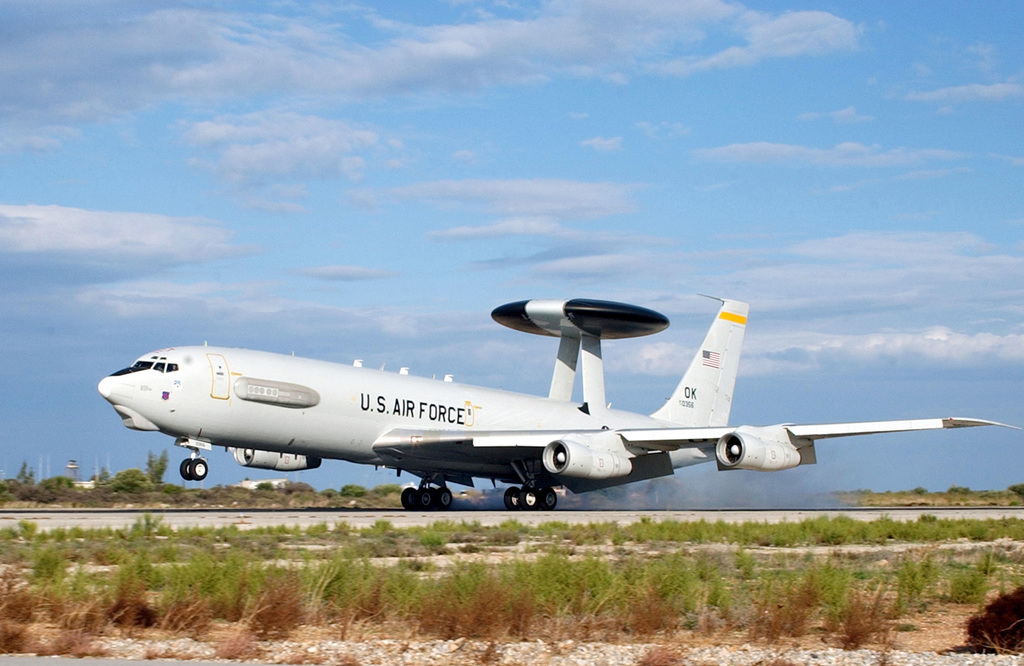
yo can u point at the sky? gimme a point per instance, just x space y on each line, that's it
369 180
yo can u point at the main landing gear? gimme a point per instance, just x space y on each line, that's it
194 469
426 498
530 498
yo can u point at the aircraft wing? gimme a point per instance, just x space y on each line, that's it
670 439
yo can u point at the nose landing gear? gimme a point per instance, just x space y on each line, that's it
194 469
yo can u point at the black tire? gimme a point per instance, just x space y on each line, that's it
409 499
184 468
425 499
547 499
512 498
198 468
442 499
529 500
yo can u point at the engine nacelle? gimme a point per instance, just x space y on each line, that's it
282 462
759 449
571 458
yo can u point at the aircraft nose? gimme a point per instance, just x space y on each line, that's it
106 386
114 390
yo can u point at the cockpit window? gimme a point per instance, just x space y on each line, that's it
139 365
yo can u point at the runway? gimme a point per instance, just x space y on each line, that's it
49 519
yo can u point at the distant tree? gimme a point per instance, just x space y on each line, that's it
352 490
26 476
57 482
156 467
131 480
1017 489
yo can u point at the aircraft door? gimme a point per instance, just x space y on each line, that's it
221 388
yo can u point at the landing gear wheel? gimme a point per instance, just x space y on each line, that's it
409 499
424 499
512 498
442 499
547 499
198 469
186 464
529 500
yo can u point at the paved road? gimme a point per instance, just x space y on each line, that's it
359 518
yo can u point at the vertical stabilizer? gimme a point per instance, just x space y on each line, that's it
704 396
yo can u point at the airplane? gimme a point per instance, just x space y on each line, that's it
287 413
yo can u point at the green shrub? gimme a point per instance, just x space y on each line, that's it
130 480
968 587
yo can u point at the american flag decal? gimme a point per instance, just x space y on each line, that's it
711 359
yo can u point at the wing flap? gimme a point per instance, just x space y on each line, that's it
826 430
672 439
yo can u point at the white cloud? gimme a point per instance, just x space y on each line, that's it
932 174
809 33
845 116
518 226
977 92
669 130
258 147
604 145
90 236
843 154
345 273
536 198
127 57
808 351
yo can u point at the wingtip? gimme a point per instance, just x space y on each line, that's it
961 422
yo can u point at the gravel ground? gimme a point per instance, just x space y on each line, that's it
460 652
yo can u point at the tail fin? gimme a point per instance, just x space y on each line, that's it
704 396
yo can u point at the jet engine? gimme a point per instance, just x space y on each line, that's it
760 449
571 458
282 462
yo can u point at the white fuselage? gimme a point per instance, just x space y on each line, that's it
200 400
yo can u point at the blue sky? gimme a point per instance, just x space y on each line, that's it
370 180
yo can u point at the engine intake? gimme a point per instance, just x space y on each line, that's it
570 458
759 449
282 462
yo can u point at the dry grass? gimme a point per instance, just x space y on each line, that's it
78 644
659 656
192 616
88 615
490 612
650 613
239 646
863 620
17 603
130 608
279 609
787 614
14 637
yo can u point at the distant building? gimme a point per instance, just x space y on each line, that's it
252 484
